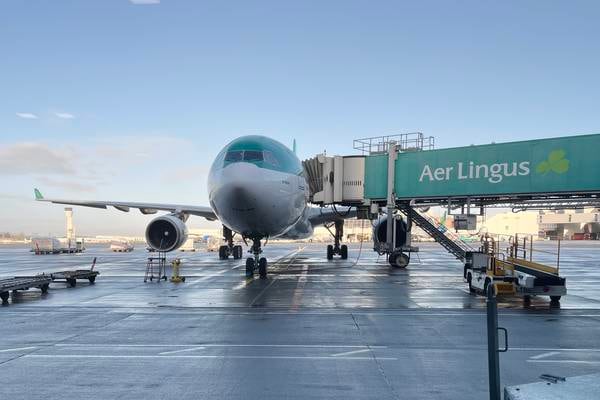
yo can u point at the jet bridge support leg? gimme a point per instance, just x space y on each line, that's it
229 249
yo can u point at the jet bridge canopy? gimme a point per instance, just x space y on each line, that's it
543 170
567 165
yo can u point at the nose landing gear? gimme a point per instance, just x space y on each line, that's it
257 261
336 249
229 249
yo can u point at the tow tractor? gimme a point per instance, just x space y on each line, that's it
513 271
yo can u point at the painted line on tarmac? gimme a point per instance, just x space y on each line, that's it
292 259
347 353
182 350
243 284
566 362
594 350
299 290
320 346
18 349
209 276
74 356
544 355
292 255
374 311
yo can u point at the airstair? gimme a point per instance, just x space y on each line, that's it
451 242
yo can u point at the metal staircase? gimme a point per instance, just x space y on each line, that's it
447 239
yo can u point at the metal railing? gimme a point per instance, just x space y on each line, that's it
450 241
413 141
522 246
455 237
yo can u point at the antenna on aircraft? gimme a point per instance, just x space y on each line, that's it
294 146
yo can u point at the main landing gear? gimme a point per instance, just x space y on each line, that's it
252 263
229 249
336 249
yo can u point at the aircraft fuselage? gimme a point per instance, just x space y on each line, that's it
257 188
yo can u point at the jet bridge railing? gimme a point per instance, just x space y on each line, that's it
438 232
413 141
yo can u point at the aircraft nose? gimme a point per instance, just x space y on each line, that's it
241 197
239 186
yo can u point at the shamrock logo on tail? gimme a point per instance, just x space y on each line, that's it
556 162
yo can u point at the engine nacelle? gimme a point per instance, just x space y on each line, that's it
380 232
166 233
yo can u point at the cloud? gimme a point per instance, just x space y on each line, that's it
64 115
70 185
26 115
147 148
144 2
34 158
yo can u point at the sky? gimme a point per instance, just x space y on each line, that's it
132 99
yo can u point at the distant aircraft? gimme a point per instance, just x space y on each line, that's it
257 188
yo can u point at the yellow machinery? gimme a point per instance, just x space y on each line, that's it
513 272
175 277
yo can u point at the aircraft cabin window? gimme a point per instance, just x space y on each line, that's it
270 158
251 155
233 156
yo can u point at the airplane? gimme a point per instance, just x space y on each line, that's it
257 188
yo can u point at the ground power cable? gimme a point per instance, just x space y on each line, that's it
362 238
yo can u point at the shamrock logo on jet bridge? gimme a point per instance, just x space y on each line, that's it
556 162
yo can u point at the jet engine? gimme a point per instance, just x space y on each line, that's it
380 232
166 233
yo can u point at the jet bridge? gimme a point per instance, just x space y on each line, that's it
402 174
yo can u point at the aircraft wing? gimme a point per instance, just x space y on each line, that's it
322 215
125 206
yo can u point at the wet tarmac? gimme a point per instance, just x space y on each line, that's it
353 329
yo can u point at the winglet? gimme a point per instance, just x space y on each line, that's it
38 194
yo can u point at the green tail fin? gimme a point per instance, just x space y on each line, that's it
38 194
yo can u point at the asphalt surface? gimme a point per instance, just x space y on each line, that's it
353 329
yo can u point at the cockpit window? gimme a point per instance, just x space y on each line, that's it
233 156
260 151
251 155
270 158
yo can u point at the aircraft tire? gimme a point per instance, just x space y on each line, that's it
237 252
262 267
470 281
223 253
344 252
329 252
249 267
398 260
485 286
